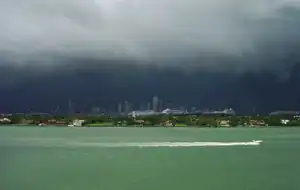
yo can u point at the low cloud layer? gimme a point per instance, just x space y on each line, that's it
206 33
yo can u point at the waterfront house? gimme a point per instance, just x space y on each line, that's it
139 123
257 123
78 122
285 121
5 121
167 123
224 123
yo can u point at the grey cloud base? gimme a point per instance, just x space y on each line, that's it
206 34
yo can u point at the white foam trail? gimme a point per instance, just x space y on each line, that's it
167 144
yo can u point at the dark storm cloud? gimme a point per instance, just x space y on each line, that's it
209 33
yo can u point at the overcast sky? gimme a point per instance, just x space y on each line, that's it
72 36
42 32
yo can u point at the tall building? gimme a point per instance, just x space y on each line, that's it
130 107
120 108
155 101
71 107
126 107
148 106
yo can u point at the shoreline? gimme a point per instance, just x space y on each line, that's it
140 127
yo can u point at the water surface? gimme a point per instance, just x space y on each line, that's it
42 159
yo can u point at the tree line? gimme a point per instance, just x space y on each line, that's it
157 120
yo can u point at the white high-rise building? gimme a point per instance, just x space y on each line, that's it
155 101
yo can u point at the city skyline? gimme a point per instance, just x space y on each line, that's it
126 107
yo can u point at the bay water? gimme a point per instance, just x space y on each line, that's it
54 158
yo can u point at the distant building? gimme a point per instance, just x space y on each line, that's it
142 113
224 123
5 120
256 123
173 112
155 101
120 108
284 121
126 107
71 107
224 112
195 112
76 123
284 113
148 106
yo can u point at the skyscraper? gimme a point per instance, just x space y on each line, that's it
71 107
155 101
120 108
126 107
148 105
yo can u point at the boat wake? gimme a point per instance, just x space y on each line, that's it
166 144
59 142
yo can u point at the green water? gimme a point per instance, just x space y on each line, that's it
37 159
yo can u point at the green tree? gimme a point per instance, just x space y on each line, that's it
16 118
207 121
273 121
235 121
